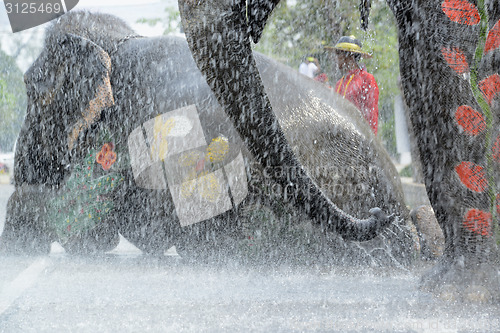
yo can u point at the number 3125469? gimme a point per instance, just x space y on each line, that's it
33 7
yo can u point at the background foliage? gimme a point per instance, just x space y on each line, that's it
17 52
12 101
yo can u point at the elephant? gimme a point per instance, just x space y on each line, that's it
449 59
123 136
447 44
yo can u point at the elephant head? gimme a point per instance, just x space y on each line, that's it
68 86
218 33
72 87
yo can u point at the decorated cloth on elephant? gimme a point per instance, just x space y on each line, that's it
360 88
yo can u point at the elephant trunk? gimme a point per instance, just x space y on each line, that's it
218 36
364 11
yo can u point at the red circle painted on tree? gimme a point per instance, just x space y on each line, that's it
472 176
478 221
461 11
470 120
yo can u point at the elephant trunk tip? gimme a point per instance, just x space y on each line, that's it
365 230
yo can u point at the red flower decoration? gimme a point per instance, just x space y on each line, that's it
493 40
106 157
490 87
471 121
461 11
478 222
472 176
456 59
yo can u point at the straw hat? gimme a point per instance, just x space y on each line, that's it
349 44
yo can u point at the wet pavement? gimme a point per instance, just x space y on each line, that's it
124 291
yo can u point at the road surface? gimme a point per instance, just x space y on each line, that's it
124 291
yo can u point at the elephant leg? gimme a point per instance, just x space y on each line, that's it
212 241
468 269
429 232
453 97
25 230
462 278
146 219
100 239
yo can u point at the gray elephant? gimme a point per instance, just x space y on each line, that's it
124 136
449 56
454 44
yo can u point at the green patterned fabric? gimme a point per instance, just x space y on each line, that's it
83 201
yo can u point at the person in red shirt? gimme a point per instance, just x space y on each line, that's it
356 84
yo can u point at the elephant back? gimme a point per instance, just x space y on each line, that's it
105 30
333 140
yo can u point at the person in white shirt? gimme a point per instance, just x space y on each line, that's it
309 67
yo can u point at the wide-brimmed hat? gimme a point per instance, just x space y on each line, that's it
350 44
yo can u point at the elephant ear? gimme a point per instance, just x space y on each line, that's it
71 84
